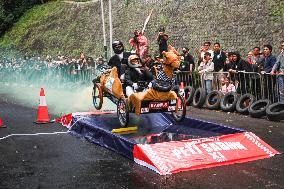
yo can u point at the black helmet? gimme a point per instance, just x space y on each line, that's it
161 29
117 47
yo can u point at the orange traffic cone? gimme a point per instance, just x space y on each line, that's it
42 114
2 124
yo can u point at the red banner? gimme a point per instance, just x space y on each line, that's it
67 119
176 156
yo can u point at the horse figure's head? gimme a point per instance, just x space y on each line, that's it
171 61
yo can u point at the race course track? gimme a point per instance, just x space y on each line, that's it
64 161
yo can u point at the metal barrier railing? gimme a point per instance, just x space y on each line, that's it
189 78
54 77
270 87
262 86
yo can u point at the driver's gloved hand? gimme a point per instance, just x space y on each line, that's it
135 86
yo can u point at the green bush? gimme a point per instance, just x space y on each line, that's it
12 10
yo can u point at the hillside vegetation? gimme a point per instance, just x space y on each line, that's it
68 27
53 28
11 11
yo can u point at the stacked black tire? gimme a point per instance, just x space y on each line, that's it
258 108
230 102
213 100
275 112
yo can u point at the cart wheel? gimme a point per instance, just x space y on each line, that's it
180 114
123 112
97 96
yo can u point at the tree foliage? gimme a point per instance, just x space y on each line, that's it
12 10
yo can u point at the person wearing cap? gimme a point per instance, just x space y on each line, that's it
278 69
162 39
135 75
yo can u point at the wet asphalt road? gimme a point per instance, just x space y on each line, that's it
64 161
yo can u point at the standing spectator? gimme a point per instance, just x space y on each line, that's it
257 56
100 65
205 69
90 62
269 59
140 42
278 69
162 39
268 63
188 64
230 64
82 58
250 57
255 65
205 48
241 66
219 59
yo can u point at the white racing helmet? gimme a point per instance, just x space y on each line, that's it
134 61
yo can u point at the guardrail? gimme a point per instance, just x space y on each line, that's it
262 86
49 77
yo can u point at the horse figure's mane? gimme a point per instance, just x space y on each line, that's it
171 61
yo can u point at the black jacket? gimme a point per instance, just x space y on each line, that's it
114 61
219 61
188 59
243 65
230 65
133 76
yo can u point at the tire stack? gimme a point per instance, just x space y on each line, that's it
273 112
230 102
199 98
213 100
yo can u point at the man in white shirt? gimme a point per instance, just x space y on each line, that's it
205 48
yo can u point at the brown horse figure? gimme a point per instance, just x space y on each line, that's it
170 63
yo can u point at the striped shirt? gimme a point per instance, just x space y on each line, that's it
163 77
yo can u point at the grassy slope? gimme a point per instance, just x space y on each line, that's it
72 27
56 28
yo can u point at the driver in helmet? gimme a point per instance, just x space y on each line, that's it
137 77
119 60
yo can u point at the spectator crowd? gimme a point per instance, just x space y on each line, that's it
260 72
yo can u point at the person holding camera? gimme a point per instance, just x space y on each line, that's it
205 69
203 49
162 39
